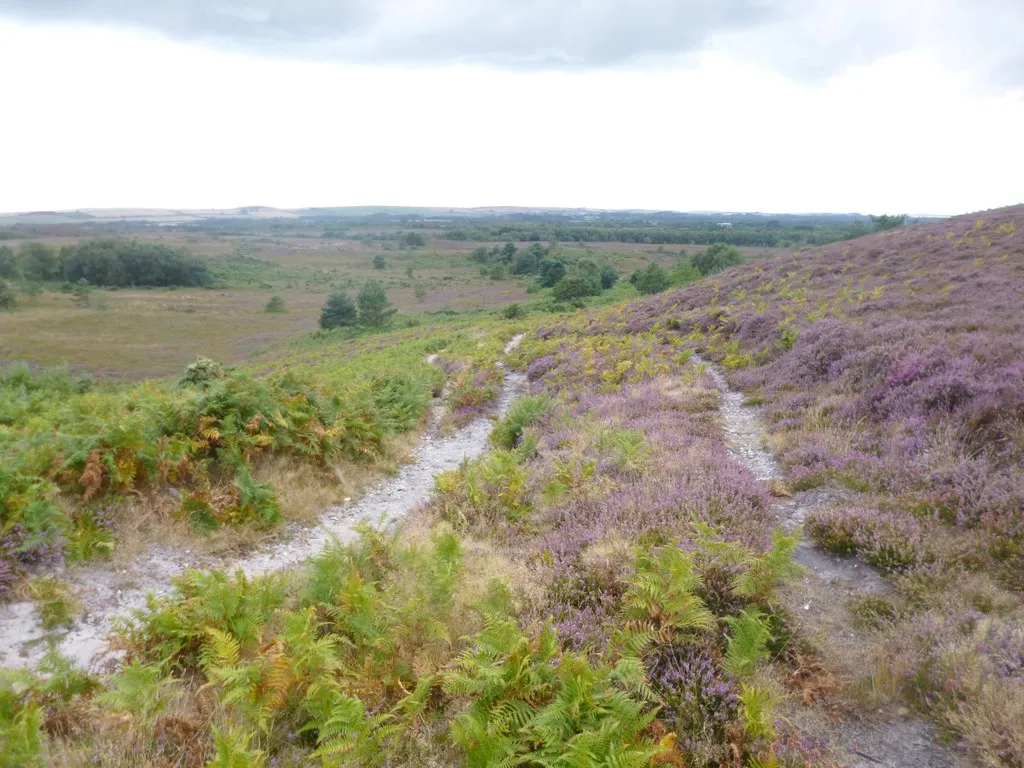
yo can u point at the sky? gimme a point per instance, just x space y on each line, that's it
873 106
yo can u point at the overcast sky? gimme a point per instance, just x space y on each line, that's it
771 105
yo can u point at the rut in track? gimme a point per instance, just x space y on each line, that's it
107 594
819 601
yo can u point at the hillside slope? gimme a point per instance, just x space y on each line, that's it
615 582
891 371
893 363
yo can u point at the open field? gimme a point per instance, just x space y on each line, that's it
154 332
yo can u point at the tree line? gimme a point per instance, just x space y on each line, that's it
108 262
763 236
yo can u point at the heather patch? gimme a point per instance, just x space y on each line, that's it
890 363
887 541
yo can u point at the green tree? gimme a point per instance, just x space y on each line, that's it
338 311
528 261
609 277
590 272
7 298
572 287
8 264
551 272
420 291
114 261
275 306
479 255
508 253
497 271
414 240
683 273
379 262
38 261
716 257
650 280
374 308
884 222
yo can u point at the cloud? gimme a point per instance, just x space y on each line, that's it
808 39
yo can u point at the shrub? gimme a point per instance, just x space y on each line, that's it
572 287
8 264
512 312
716 258
375 310
609 277
275 305
338 312
550 272
650 280
683 273
379 262
528 261
201 373
8 299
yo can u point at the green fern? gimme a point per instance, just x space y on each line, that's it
231 750
141 689
747 644
23 738
757 711
661 593
764 573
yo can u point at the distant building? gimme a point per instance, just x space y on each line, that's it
725 224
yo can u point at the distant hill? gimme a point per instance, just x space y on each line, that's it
182 215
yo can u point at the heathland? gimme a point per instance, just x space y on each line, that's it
752 495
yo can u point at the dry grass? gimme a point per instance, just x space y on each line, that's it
150 334
155 333
303 491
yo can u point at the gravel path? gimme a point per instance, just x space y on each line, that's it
107 594
892 739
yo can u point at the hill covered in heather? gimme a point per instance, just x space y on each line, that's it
893 363
891 374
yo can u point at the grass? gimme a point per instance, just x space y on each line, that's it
56 604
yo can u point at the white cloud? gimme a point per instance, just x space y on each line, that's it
104 118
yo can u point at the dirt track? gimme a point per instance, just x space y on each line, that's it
108 594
